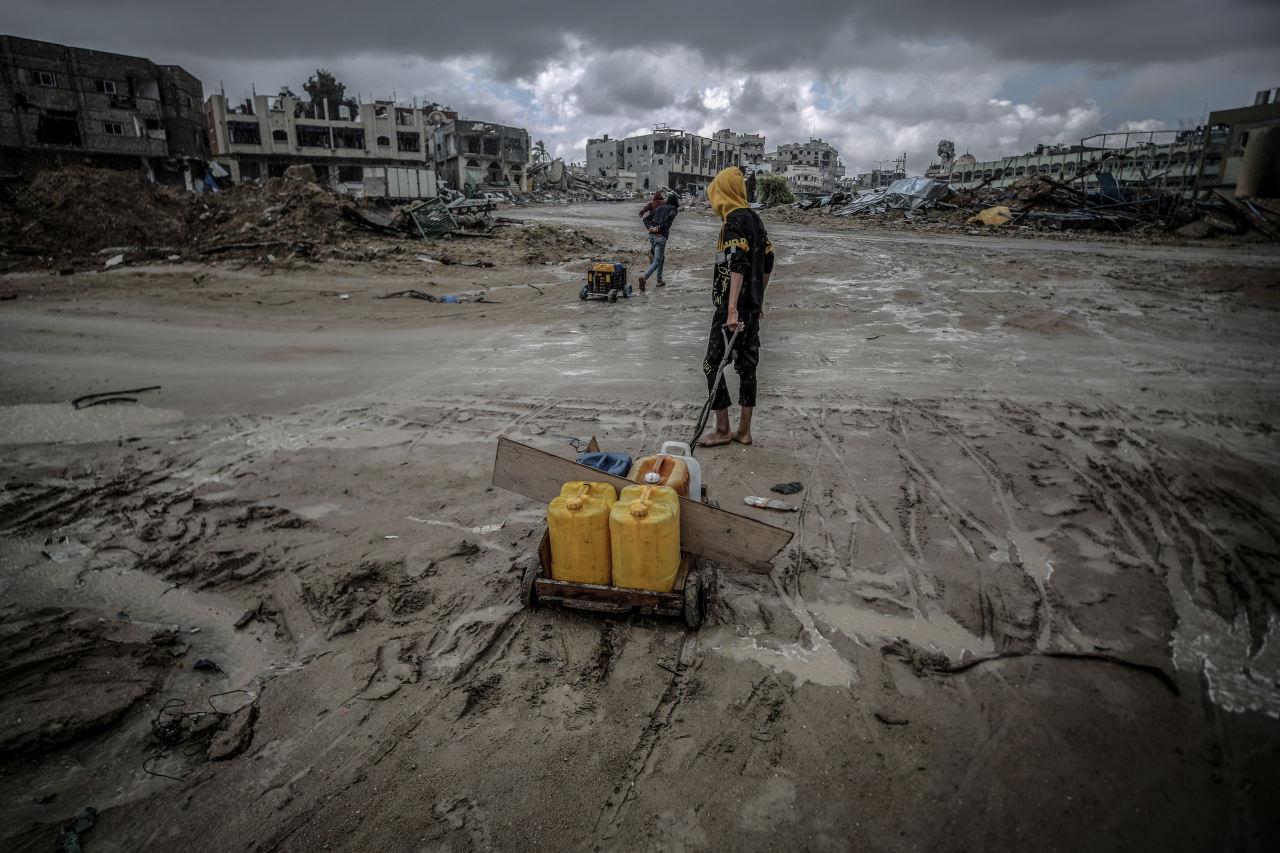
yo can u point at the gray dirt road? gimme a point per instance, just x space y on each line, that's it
1032 600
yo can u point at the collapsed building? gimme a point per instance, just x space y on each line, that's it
471 155
64 105
882 175
1189 161
667 157
1241 148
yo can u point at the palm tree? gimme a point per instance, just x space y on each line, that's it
540 154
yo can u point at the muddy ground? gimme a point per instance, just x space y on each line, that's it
1031 601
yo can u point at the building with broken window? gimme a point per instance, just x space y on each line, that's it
263 136
750 145
472 155
1169 158
666 158
61 105
821 155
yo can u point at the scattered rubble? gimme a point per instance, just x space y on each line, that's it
1042 202
108 219
553 182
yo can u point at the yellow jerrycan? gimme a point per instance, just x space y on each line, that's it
578 525
644 527
603 491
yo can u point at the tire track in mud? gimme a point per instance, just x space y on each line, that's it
1018 543
640 762
1226 622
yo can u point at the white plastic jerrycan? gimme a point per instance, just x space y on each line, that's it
681 450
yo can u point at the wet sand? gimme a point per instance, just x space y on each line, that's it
1031 601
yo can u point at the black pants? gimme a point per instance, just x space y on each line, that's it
746 357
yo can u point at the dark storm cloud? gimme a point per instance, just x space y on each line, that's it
615 85
756 100
875 78
521 37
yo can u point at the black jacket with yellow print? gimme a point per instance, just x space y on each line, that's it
743 247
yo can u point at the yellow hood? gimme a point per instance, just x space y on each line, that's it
727 192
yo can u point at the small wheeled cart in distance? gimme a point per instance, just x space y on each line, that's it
606 281
688 598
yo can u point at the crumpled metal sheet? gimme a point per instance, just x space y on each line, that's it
906 194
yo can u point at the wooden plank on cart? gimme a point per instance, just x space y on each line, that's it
726 537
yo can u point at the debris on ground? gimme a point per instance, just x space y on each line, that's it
412 294
68 840
552 181
1038 203
997 215
107 219
108 397
219 734
770 503
235 733
788 488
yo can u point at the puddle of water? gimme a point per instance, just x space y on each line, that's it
1236 679
315 511
939 631
821 664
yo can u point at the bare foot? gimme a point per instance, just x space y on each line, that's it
742 438
716 439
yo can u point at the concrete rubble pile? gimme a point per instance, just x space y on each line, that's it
77 218
551 182
1043 202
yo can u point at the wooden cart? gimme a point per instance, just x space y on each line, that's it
706 533
688 598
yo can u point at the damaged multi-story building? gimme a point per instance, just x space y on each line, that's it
796 160
1125 156
750 145
264 135
666 158
1194 160
355 147
64 105
479 155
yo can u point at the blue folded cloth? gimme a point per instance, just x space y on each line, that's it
617 464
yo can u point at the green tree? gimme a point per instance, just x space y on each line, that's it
324 88
774 190
540 154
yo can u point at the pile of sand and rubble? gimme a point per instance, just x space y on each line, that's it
78 212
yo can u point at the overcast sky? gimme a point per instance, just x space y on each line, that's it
875 79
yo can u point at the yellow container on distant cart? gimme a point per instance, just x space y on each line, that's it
644 529
578 525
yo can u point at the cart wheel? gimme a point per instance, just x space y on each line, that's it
627 293
582 294
528 595
613 296
695 601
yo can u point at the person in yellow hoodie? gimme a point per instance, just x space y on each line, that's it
744 262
